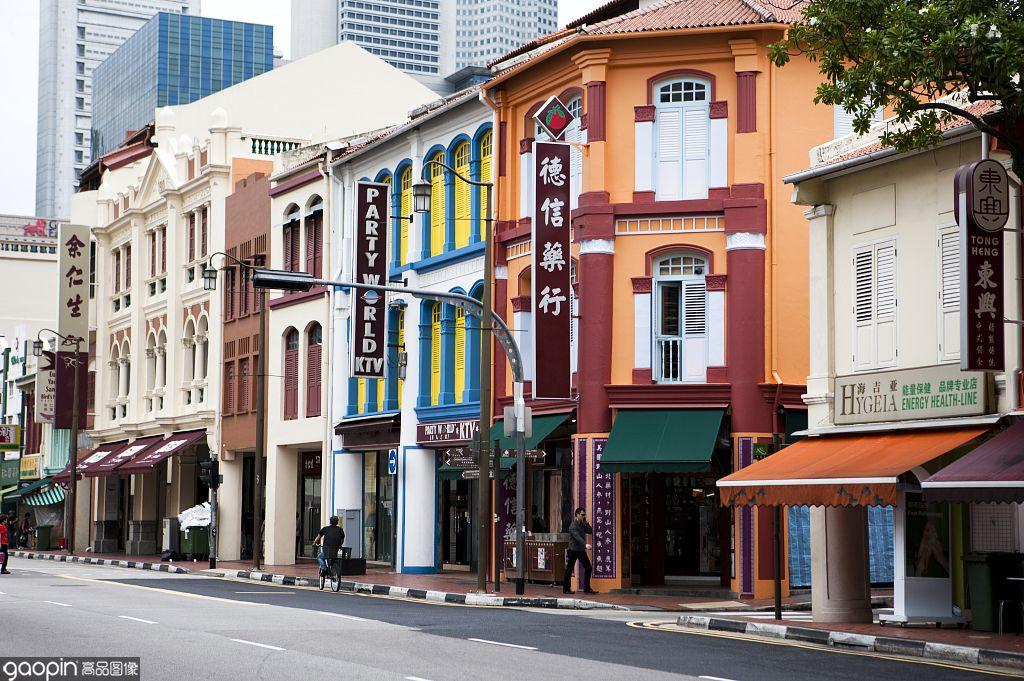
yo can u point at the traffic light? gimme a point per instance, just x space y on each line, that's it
210 473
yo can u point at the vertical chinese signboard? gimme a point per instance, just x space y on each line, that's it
982 209
46 387
368 322
604 517
551 311
72 322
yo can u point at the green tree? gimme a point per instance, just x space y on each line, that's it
907 54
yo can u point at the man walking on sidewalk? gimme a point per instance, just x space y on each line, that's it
578 531
4 545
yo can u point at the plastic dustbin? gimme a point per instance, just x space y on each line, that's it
195 541
987 584
43 537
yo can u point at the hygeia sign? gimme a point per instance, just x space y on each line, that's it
369 322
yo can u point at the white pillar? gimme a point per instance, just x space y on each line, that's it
642 321
718 171
643 137
716 328
525 171
521 329
417 502
282 506
822 314
161 366
122 377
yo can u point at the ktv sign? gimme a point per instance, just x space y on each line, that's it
371 267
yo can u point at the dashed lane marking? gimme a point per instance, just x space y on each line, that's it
63 605
165 591
346 617
136 619
415 678
499 643
254 643
715 678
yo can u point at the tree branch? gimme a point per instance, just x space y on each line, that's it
977 121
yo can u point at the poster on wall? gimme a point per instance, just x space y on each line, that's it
927 538
369 332
552 314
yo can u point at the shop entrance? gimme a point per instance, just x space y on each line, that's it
458 548
379 530
677 528
309 521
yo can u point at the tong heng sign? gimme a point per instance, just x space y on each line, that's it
371 267
910 394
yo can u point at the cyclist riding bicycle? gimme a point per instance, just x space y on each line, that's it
330 540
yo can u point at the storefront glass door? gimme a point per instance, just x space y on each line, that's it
310 520
378 509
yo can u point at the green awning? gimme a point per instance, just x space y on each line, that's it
662 440
542 427
7 490
29 489
48 497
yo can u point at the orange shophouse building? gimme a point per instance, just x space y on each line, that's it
690 278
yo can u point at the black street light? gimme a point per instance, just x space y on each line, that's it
421 195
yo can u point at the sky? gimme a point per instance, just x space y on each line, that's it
19 50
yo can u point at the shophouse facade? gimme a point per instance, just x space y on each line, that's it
391 466
687 263
885 325
159 342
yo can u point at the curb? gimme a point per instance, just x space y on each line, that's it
423 594
942 652
133 564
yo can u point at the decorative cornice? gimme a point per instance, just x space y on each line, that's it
526 145
669 395
645 113
597 246
821 210
719 109
641 285
521 304
501 272
740 241
714 282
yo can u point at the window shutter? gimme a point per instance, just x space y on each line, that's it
152 254
318 245
401 348
310 248
205 232
437 209
361 396
313 374
460 353
575 134
463 210
229 387
885 305
243 388
864 308
191 237
287 250
229 294
949 296
291 383
695 140
163 250
117 271
843 120
695 327
403 244
486 147
435 353
696 309
668 154
127 267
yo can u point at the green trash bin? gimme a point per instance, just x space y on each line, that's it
43 533
987 584
195 542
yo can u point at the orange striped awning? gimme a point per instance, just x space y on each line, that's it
839 470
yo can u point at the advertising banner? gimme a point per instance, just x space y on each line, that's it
369 332
552 314
941 391
46 387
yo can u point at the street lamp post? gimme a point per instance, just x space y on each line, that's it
210 284
69 509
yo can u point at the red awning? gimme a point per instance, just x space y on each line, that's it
112 463
86 462
148 459
992 472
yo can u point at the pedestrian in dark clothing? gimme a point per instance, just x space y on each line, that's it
330 539
3 544
578 531
537 524
26 531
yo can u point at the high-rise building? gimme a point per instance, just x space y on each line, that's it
428 39
74 38
173 59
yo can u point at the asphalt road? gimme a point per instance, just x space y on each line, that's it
186 627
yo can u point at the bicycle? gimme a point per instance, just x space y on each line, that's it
332 573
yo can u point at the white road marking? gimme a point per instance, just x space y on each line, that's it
714 678
136 619
268 593
346 617
796 615
253 643
416 678
63 605
499 643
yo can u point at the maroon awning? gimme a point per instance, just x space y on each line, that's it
157 452
112 463
993 471
86 462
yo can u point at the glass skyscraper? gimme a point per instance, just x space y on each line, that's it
173 59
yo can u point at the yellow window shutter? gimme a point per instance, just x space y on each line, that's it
437 207
401 348
485 176
380 394
460 354
435 353
463 208
361 397
403 245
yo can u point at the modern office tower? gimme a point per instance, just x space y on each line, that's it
74 38
173 59
428 39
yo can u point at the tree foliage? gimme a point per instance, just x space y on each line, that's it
908 55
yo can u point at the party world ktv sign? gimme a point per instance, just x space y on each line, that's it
369 332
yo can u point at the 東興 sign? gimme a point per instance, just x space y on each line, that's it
551 311
371 267
909 394
982 210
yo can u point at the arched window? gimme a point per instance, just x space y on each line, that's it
291 374
460 354
406 211
525 282
680 318
463 209
314 350
315 237
681 139
437 205
435 353
291 239
486 155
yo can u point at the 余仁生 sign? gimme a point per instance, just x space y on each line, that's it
926 393
552 314
982 209
72 323
371 267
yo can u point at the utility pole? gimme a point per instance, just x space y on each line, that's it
73 453
261 437
484 513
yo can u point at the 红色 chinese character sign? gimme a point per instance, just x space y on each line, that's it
552 314
72 322
982 209
369 341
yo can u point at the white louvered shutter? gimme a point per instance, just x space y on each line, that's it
695 153
864 308
949 295
574 134
695 330
669 154
843 120
885 305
